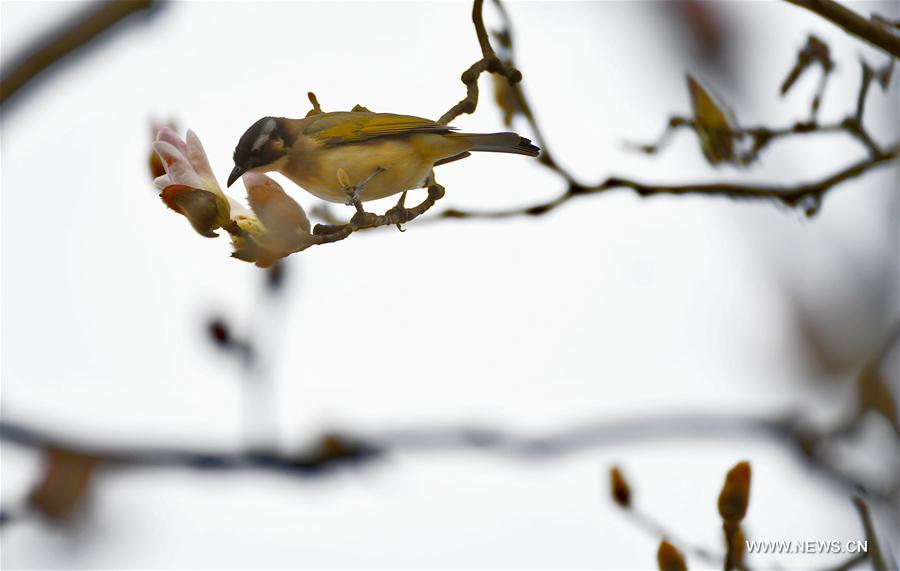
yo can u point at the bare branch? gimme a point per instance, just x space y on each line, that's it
362 220
807 195
489 62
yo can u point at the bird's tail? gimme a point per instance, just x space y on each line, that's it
499 143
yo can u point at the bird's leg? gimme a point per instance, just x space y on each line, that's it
353 190
401 205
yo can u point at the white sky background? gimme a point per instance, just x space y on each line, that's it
610 307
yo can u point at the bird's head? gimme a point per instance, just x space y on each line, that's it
260 147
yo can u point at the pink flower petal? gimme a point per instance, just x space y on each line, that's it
198 159
176 164
162 182
168 135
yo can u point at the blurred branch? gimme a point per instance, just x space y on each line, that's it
851 562
652 527
94 20
334 449
815 52
870 31
873 550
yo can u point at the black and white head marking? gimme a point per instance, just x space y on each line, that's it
263 144
269 125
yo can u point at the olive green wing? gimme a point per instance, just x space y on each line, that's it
355 127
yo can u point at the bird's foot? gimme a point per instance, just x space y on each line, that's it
401 206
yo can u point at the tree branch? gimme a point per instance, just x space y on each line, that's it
807 195
489 62
879 36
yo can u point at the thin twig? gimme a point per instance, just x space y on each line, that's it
653 527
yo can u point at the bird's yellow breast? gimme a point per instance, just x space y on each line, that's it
406 163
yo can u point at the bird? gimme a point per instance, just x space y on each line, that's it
356 156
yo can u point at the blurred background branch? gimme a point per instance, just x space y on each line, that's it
872 31
338 448
47 50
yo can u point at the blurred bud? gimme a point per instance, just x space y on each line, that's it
66 479
156 166
219 332
669 558
735 495
705 27
277 226
507 98
275 276
713 124
332 448
621 491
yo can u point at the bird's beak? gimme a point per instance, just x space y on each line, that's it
235 174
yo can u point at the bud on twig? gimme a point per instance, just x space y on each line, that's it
621 491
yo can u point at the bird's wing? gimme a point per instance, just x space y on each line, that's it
354 127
